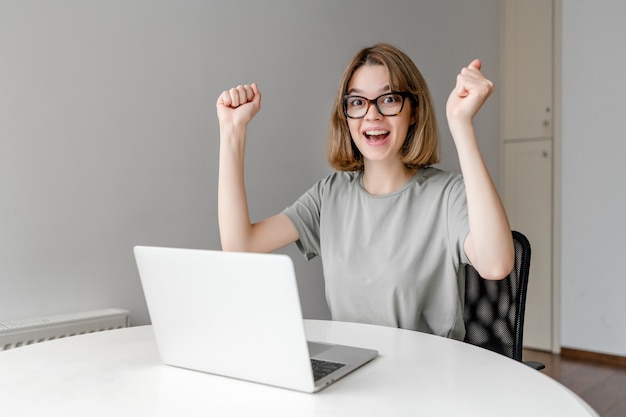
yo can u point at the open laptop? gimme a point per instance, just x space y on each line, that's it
237 315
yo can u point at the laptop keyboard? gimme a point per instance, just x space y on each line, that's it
323 368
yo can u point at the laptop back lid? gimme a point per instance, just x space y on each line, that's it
227 313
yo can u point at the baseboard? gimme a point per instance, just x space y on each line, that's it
596 357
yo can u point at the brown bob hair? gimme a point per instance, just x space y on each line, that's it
421 146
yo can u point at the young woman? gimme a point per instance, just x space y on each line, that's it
393 232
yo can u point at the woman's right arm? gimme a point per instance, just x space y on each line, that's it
235 109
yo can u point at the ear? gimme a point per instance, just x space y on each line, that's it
413 117
413 113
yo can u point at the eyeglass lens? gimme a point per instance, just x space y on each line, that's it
388 104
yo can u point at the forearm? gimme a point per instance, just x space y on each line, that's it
489 244
233 214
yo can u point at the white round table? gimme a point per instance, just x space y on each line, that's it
119 373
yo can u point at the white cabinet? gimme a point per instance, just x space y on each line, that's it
528 200
527 69
527 143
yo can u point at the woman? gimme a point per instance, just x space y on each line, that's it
393 232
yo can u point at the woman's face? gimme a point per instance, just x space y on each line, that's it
379 138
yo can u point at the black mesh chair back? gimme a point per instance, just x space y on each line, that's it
494 310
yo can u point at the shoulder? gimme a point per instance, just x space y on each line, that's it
335 184
339 180
437 178
343 177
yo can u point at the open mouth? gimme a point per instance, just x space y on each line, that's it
376 135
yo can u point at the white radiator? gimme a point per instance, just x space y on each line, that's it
26 332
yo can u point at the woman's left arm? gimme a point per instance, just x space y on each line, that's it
489 244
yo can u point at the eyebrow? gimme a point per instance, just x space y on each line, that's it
385 89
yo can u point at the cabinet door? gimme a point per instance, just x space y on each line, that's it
528 201
527 69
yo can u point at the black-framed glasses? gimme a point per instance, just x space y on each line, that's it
388 104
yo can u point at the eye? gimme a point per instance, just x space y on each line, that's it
391 99
355 102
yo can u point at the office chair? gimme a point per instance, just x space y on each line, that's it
494 310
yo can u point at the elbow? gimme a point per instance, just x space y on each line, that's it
233 242
237 245
498 270
497 273
230 246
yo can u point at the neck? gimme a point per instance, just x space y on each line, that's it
380 180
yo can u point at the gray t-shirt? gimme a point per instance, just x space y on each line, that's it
395 259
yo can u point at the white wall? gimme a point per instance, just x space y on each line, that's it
593 277
108 133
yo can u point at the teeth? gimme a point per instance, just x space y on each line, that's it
375 132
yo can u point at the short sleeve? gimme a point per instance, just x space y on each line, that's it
458 221
305 216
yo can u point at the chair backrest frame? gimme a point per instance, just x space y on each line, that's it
494 310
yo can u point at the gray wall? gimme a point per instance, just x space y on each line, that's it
108 133
593 181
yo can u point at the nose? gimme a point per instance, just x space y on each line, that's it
372 112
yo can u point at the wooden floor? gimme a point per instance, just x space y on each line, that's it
602 386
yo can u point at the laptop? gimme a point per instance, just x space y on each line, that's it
237 315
